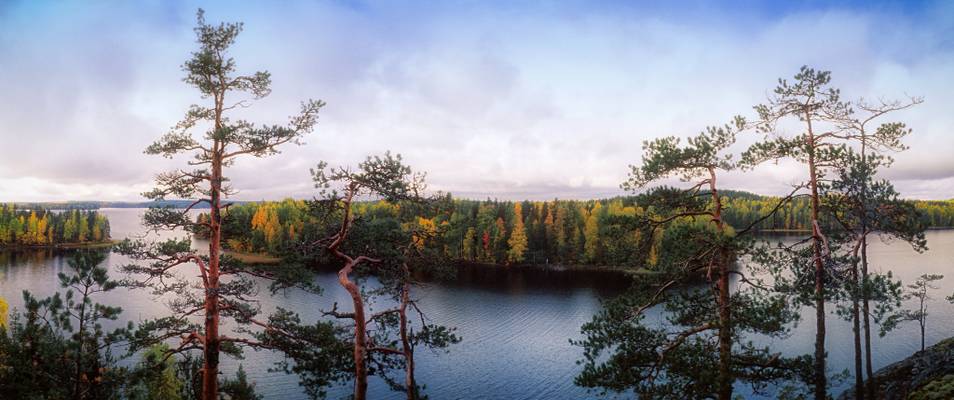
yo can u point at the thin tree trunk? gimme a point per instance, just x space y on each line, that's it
409 382
78 386
866 313
865 295
725 334
923 316
922 336
821 381
856 329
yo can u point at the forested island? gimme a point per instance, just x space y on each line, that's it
38 227
608 232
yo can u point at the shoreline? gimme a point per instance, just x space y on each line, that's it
60 246
634 271
253 258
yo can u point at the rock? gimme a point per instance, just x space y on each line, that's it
903 378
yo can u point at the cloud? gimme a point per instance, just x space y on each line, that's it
490 99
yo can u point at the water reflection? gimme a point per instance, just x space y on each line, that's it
515 322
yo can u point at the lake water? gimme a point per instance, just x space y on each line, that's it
515 323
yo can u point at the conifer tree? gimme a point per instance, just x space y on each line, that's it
223 140
518 237
381 248
701 351
820 147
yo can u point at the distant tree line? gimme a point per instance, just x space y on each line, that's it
41 227
591 232
94 205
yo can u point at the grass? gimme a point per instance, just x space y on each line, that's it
938 389
253 258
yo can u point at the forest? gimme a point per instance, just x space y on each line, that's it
37 227
668 336
594 232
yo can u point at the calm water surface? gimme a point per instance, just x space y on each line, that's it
515 324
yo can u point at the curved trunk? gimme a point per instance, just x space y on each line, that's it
360 345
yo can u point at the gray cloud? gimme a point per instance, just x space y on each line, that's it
498 101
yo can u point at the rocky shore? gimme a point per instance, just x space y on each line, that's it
927 374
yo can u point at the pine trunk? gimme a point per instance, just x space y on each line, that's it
210 368
726 379
406 345
820 378
856 329
360 345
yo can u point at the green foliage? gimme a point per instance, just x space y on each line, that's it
157 376
239 388
556 230
319 353
624 351
918 291
701 349
938 389
215 136
57 347
40 227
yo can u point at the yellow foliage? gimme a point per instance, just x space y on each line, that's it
3 312
427 229
266 221
240 246
518 238
591 231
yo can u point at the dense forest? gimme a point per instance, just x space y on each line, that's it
582 232
41 227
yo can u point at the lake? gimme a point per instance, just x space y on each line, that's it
515 323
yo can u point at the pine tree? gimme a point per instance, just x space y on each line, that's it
820 147
225 285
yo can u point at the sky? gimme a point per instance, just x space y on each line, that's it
509 100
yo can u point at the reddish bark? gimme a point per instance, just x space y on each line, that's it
212 345
344 279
